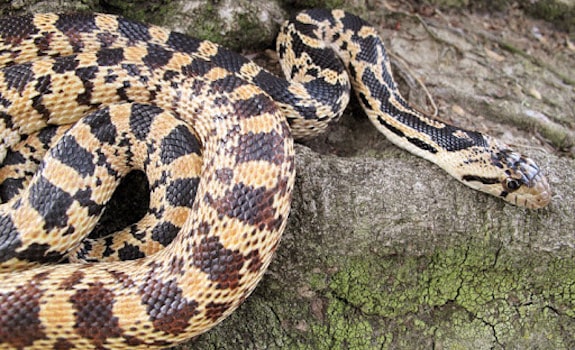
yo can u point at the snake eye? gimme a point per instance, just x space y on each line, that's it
511 185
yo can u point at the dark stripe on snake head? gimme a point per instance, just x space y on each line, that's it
166 306
68 151
24 327
182 192
483 180
222 265
94 314
179 142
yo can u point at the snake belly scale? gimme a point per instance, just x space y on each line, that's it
101 95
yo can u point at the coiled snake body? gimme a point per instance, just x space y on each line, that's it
145 98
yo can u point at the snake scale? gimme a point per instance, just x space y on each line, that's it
86 98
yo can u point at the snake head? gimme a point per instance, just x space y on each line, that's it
513 177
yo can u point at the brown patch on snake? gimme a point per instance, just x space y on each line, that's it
166 306
261 146
225 175
69 282
253 106
20 324
256 261
222 265
215 310
63 344
17 29
253 206
123 278
94 315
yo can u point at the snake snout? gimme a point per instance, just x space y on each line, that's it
541 192
534 191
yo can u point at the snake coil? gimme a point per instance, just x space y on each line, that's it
86 98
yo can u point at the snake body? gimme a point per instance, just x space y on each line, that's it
134 96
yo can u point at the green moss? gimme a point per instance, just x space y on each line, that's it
345 329
245 30
379 287
207 24
449 3
314 3
463 297
560 13
155 11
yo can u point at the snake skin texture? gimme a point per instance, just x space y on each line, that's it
87 98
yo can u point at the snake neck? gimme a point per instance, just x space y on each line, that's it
474 159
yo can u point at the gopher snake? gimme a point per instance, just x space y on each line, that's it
147 97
